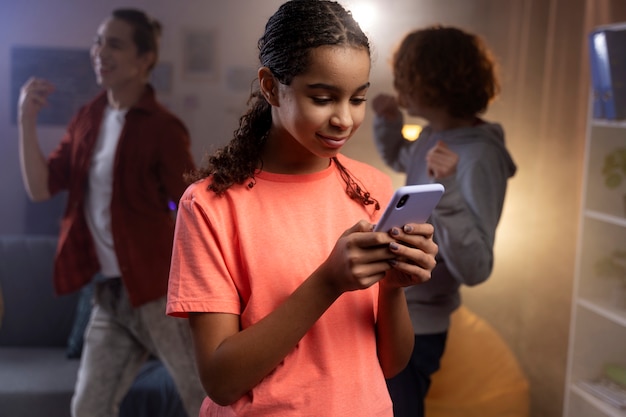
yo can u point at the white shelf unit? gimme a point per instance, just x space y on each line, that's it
598 325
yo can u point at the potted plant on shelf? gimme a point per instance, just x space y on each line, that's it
613 267
614 170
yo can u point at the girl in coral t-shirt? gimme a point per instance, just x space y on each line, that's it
296 306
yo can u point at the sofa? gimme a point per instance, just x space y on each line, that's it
41 338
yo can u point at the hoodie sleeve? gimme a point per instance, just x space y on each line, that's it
466 218
391 145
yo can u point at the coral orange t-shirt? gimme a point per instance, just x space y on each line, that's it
245 252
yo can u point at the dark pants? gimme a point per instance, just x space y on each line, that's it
408 389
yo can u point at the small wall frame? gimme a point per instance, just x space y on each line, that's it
199 48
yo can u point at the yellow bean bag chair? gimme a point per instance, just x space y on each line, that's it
479 375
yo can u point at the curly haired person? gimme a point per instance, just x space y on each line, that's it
447 77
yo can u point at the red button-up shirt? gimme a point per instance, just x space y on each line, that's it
152 155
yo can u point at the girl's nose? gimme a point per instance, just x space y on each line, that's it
342 118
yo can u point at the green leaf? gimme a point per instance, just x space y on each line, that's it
613 181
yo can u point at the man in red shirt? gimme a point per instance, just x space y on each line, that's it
122 162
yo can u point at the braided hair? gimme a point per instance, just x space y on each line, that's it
297 27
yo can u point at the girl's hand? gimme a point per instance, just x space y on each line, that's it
359 259
33 96
414 251
441 161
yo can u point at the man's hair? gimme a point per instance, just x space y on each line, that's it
146 30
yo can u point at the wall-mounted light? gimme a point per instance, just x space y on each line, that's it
411 132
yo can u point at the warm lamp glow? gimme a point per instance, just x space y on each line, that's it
411 132
364 14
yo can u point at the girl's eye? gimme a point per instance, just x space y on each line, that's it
326 100
321 100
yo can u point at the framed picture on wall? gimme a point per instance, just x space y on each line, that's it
199 55
161 77
68 69
240 79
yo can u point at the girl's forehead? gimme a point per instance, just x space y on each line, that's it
340 69
337 58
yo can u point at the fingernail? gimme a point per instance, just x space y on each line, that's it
393 246
395 231
408 229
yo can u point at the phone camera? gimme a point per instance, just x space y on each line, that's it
402 201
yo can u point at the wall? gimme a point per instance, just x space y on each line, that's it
542 107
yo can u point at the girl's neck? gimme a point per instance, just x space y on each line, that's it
293 167
289 157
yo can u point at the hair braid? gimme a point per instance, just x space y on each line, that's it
353 188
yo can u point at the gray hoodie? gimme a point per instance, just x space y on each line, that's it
465 219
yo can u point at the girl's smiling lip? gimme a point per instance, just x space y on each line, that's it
334 142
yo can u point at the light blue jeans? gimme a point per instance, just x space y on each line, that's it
118 339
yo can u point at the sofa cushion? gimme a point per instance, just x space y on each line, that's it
33 315
153 394
40 381
36 381
1 306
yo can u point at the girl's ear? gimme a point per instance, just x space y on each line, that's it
269 85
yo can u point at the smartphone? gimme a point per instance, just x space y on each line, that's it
410 204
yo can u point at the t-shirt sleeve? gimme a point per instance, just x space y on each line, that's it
202 258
